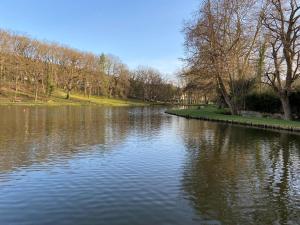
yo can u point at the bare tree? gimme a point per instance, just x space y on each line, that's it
282 23
35 68
220 44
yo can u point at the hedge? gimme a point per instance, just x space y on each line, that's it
270 103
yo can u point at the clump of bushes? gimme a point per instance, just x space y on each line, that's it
263 102
270 103
295 103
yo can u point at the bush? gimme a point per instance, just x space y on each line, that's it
295 103
270 103
264 102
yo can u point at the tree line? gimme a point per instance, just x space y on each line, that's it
237 46
37 67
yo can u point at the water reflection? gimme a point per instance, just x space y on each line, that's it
238 175
92 165
34 135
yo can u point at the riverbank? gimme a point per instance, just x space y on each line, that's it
211 113
59 98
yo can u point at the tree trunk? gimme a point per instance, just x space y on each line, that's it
285 102
233 109
16 88
36 94
228 101
205 100
89 92
43 87
68 94
48 85
85 89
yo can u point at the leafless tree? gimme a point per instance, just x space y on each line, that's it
282 25
220 45
35 67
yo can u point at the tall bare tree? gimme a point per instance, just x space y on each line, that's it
220 44
282 24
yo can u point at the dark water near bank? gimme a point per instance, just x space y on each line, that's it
139 166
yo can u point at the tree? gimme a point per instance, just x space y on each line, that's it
148 84
282 25
220 43
36 68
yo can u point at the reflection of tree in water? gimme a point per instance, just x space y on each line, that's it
242 176
35 135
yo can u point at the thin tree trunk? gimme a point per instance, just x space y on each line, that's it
16 88
68 94
85 89
43 87
36 93
89 93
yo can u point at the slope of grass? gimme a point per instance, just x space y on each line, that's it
214 114
59 98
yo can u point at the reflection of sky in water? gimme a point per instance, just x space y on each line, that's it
91 165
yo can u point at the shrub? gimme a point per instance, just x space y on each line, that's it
295 103
264 102
270 103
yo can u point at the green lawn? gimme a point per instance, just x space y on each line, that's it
214 114
59 98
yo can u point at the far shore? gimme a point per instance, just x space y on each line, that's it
59 99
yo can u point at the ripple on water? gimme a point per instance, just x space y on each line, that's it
91 165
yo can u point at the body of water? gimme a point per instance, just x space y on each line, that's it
139 166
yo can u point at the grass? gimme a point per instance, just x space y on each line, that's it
212 113
59 98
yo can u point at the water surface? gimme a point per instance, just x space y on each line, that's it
91 165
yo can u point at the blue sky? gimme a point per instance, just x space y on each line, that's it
140 32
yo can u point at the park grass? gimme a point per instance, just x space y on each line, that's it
212 113
77 98
58 98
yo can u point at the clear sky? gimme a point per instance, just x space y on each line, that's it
140 32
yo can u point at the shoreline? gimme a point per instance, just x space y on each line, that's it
59 99
51 103
214 115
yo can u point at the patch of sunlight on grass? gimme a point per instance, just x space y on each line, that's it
59 98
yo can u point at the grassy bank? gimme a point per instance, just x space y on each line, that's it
212 113
59 98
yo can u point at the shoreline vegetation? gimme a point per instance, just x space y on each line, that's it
212 113
235 49
58 98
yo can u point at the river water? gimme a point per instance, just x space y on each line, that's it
139 166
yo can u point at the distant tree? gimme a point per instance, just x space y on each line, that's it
38 67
